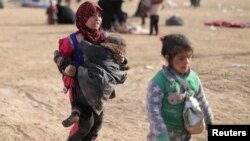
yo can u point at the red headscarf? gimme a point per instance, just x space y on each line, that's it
83 13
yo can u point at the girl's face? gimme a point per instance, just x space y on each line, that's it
95 21
181 63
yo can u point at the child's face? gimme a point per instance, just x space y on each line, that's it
95 21
181 63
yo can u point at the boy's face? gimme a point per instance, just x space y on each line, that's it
181 63
95 21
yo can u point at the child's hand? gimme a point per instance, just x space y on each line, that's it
124 67
119 57
62 63
70 70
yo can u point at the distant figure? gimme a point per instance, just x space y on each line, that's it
35 3
112 13
138 10
142 11
65 14
1 4
155 7
195 3
52 12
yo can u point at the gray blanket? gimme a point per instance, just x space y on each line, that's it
99 75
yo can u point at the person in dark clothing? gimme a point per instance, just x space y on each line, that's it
1 4
142 11
138 10
100 73
195 3
112 11
51 12
88 21
87 123
65 15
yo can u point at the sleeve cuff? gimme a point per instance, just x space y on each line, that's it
125 61
162 137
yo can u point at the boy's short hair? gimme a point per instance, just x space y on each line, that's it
116 39
115 43
173 44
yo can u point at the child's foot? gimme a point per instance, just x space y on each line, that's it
71 119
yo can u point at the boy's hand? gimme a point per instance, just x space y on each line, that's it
119 58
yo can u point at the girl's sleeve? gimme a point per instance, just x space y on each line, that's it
204 105
65 47
157 125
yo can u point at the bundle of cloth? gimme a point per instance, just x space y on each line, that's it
227 24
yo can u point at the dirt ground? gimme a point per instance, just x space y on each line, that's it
33 105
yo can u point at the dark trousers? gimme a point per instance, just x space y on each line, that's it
89 127
142 20
154 20
89 124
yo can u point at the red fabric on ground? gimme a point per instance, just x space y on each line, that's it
226 24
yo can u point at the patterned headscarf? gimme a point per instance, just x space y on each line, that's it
83 13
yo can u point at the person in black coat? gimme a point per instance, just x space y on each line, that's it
112 11
195 3
65 14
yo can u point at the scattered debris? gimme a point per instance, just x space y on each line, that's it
240 65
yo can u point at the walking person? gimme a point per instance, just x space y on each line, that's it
155 7
166 94
86 122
